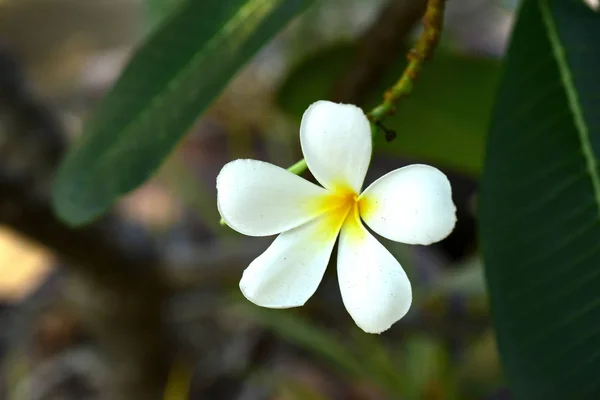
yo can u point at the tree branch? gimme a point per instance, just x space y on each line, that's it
378 45
433 21
116 266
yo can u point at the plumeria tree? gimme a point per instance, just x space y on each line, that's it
539 201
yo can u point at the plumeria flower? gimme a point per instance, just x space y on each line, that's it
410 205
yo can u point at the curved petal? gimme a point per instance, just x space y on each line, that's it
290 270
336 142
374 287
410 205
260 199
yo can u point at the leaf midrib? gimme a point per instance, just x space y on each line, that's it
559 52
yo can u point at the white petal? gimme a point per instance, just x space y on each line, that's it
410 205
374 287
336 142
290 270
260 199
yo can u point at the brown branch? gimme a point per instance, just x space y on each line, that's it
378 47
433 22
116 266
122 297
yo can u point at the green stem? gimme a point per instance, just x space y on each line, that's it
298 168
433 21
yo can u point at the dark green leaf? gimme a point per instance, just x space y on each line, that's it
540 204
443 121
169 82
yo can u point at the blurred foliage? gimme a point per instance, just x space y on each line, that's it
178 384
291 389
443 122
540 201
466 277
61 44
428 370
419 369
480 370
304 334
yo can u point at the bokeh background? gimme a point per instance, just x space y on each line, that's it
59 57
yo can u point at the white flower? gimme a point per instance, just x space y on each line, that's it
410 205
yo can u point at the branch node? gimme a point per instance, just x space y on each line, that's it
390 134
423 50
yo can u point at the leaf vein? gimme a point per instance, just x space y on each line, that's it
572 97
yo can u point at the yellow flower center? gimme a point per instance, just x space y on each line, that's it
339 206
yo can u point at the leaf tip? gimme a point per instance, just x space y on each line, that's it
69 202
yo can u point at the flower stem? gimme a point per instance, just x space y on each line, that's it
298 168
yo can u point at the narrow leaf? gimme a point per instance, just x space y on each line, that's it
173 77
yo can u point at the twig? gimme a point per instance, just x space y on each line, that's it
389 31
432 23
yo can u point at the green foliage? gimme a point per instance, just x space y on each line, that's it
302 333
540 204
443 121
290 389
313 79
420 367
169 82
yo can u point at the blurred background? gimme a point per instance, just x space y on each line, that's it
63 335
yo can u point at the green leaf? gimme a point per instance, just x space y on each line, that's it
173 77
445 118
540 204
443 121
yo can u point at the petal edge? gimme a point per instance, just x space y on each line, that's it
337 145
261 199
411 205
375 289
288 273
